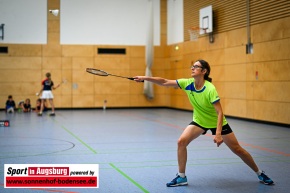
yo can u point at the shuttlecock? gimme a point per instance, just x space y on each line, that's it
54 12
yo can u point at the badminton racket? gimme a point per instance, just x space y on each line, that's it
103 73
63 81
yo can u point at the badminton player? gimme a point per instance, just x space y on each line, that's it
208 115
46 93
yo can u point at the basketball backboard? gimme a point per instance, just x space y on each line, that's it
206 20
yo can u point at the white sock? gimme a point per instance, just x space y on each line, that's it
259 172
181 175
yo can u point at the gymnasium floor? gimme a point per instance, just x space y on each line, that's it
136 151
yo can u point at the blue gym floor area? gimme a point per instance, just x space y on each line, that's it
136 150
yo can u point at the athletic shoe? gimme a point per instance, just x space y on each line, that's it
178 181
52 114
39 114
265 179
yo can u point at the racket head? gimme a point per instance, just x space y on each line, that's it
64 81
97 72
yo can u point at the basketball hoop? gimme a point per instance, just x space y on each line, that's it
194 33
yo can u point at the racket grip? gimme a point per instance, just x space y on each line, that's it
131 78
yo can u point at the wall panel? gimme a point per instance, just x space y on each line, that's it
51 50
272 91
268 71
272 50
24 50
272 111
232 15
20 63
235 73
82 101
78 51
235 107
235 90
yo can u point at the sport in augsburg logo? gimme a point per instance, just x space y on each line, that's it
51 176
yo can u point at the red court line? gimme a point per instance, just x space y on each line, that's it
265 149
170 125
259 147
48 190
157 121
209 135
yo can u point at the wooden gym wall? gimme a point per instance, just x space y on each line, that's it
24 66
254 86
232 14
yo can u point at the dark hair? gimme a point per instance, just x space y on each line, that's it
48 76
10 96
206 66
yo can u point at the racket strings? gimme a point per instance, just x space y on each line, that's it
97 72
103 73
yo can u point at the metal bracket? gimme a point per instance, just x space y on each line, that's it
2 31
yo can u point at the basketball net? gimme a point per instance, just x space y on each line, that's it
193 33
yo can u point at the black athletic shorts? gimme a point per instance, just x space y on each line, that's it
226 129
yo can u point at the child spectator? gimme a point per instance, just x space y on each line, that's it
26 106
38 106
10 104
20 106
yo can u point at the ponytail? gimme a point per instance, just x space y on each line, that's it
48 76
206 66
206 77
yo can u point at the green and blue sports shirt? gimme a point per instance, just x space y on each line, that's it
202 101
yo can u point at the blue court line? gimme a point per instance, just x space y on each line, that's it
130 179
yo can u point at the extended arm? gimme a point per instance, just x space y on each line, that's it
55 87
157 80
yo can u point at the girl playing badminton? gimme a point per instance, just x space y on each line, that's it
208 115
46 93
